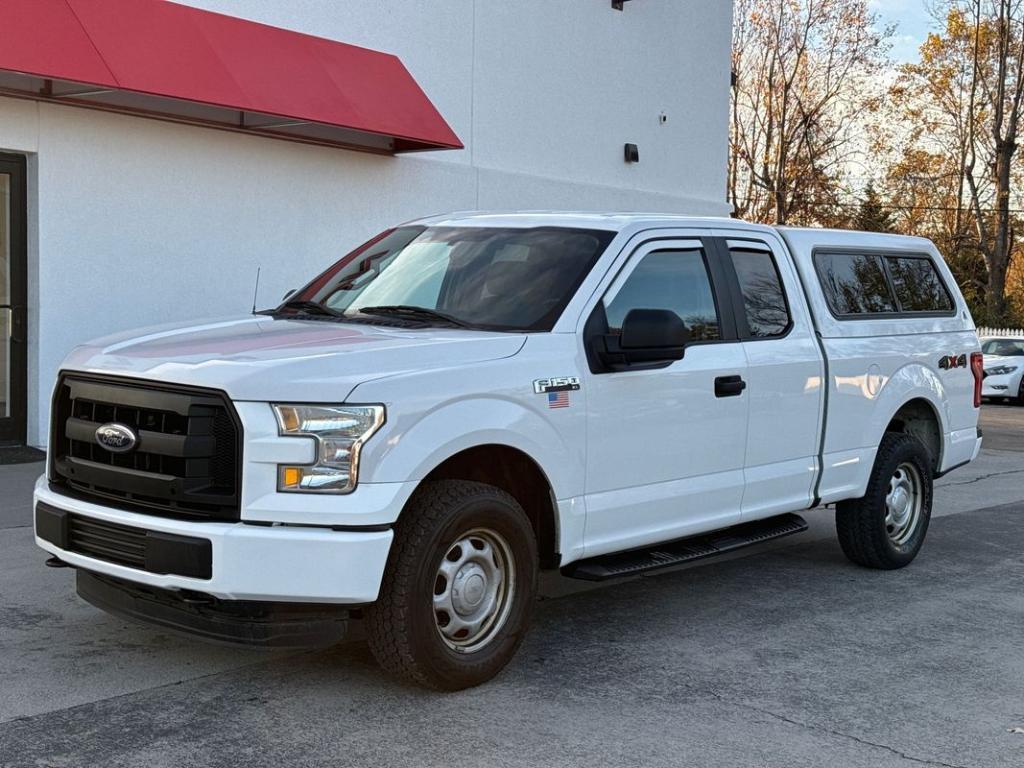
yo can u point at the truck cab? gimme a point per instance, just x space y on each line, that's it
466 400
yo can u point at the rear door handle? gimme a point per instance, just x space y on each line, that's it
729 386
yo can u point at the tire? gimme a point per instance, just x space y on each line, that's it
870 533
1020 393
451 543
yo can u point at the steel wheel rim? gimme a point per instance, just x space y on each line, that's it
903 504
473 590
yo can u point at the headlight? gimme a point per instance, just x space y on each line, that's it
339 432
1001 370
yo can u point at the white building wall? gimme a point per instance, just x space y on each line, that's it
136 221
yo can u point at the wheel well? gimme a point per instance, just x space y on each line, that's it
518 475
918 418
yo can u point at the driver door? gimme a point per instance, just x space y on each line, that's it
666 446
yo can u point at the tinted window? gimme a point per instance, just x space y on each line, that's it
488 277
854 284
675 280
918 286
1004 348
764 299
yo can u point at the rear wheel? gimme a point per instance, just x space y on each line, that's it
459 587
886 528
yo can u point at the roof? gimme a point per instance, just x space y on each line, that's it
165 60
617 221
613 221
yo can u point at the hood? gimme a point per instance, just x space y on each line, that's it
260 358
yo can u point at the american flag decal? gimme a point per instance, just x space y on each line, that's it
558 399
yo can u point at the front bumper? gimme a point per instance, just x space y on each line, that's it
279 563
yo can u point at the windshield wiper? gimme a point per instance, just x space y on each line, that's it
311 307
414 313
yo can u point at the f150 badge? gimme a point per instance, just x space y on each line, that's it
557 384
953 361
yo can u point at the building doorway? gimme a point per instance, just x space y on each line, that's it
13 298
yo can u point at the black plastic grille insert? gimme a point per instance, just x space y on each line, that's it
187 461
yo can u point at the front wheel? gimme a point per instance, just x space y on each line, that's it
886 528
459 587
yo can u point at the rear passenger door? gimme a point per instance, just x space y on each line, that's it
785 375
665 446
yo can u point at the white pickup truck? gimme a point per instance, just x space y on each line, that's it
466 400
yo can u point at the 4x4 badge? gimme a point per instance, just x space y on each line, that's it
953 361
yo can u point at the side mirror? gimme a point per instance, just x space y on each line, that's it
288 294
654 329
650 338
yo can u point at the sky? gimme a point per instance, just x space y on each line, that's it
912 20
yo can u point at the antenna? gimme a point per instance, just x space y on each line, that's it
256 290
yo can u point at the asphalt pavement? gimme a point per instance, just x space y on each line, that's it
784 655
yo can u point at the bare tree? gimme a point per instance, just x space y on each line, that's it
800 88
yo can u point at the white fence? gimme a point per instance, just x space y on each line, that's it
1013 333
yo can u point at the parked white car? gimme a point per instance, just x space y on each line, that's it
466 400
1004 369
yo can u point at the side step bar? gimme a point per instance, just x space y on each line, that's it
619 564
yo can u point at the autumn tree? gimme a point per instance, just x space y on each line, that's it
803 74
958 175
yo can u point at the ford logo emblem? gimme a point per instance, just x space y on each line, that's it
116 438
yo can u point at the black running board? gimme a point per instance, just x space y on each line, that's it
619 564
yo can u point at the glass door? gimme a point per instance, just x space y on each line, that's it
13 290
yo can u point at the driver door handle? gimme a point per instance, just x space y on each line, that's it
729 386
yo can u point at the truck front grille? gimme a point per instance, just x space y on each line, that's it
187 460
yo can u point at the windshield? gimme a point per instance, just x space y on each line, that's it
481 277
1004 347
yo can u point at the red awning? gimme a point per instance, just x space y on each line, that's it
169 61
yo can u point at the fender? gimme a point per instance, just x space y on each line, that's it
913 381
448 430
415 445
847 471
